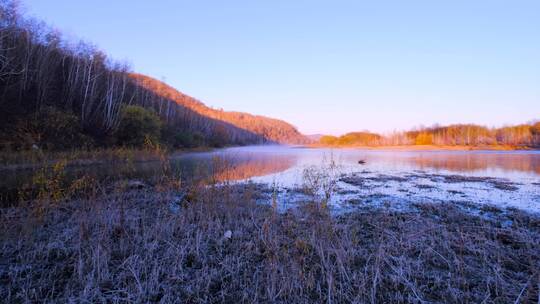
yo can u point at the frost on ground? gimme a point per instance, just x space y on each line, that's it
401 189
221 246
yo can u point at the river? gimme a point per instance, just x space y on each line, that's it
399 178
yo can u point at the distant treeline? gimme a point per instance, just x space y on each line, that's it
524 135
60 95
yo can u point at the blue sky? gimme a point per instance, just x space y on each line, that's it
327 66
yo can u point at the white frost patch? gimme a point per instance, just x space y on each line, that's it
401 188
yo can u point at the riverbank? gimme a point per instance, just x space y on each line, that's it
430 147
25 160
208 244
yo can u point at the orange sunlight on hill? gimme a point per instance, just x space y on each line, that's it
272 129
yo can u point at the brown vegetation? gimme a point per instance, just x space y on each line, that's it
353 138
198 242
464 135
120 245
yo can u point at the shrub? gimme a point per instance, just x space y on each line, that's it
359 138
328 140
51 129
138 127
535 129
424 139
176 138
219 137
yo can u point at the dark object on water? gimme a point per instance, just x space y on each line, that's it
361 162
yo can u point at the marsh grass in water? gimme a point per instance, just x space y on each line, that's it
320 182
31 159
116 243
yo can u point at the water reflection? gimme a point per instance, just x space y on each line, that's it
222 167
470 162
259 161
218 166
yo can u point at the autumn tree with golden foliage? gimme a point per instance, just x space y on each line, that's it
524 135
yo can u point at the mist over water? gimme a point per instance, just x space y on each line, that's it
273 161
502 178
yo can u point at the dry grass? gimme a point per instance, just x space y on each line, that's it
127 246
16 160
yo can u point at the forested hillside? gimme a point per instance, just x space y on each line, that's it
58 94
524 135
271 129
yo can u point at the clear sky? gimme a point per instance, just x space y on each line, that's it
327 66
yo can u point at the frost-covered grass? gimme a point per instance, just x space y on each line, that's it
115 244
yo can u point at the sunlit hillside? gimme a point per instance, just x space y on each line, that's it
524 135
271 129
57 95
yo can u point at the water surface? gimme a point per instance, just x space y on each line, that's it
502 178
398 178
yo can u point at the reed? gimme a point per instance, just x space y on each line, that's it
116 244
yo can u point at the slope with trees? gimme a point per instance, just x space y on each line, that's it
269 128
523 135
45 79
